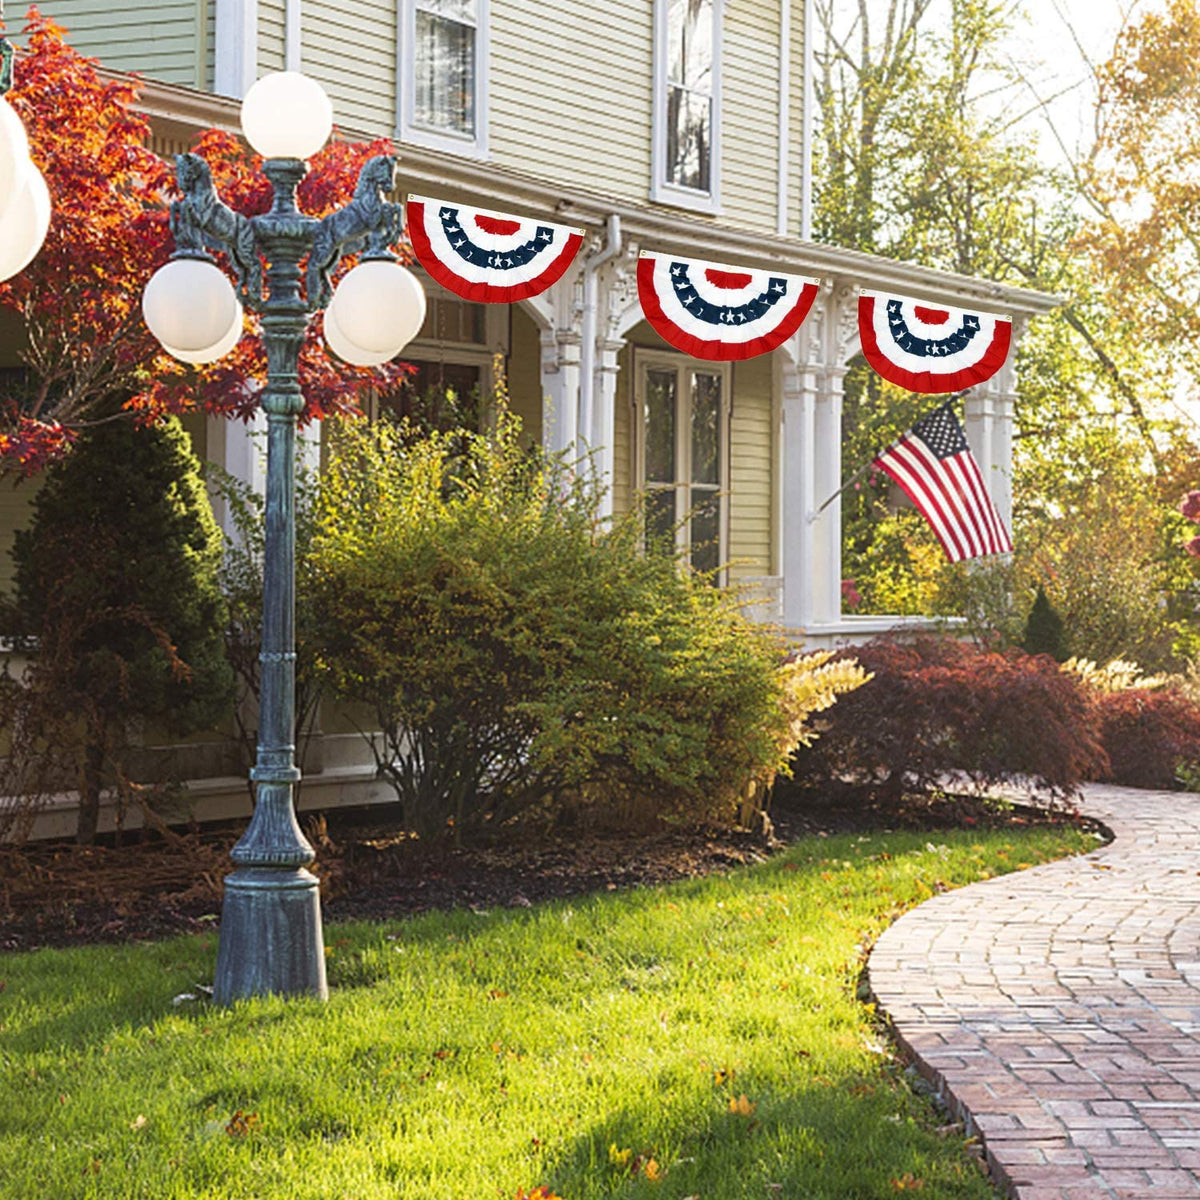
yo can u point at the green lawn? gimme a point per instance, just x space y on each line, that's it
697 1040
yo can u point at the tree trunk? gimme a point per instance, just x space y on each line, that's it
90 780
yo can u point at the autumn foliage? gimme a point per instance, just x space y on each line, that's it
80 298
937 706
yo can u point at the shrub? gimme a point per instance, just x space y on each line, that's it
1044 633
515 652
937 706
1120 675
117 579
1147 735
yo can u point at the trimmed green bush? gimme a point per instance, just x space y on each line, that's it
517 652
117 580
1044 630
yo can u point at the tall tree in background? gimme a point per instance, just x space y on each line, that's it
930 123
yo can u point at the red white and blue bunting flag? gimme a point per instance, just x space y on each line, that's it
930 348
725 313
488 256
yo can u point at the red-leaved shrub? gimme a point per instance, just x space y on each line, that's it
1146 734
937 706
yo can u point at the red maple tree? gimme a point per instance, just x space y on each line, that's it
80 299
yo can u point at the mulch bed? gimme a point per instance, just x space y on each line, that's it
60 894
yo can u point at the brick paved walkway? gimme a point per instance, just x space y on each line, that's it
1058 1010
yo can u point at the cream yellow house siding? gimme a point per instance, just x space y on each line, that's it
570 92
750 106
161 39
750 451
271 24
525 374
350 48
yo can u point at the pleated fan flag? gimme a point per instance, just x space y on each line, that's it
489 257
930 348
716 312
934 466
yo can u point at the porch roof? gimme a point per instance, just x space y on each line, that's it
178 112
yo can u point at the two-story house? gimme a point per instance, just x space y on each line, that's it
680 126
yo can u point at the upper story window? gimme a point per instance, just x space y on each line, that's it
687 103
443 74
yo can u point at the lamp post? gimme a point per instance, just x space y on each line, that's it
270 936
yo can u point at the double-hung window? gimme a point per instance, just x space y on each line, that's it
687 104
443 74
683 454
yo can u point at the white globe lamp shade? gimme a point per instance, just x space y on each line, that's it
211 353
190 305
347 350
379 306
14 154
287 115
23 226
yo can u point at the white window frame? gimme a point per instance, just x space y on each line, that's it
496 333
662 191
407 129
644 360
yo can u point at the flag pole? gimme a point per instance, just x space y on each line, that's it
866 467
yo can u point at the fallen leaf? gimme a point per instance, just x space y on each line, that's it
241 1123
908 1182
138 1122
742 1106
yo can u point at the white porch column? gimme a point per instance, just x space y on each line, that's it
604 429
797 492
235 53
560 390
240 449
811 466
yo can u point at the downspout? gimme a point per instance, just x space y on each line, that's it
291 35
586 436
806 126
785 114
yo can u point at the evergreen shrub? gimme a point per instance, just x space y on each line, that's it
936 706
516 652
116 579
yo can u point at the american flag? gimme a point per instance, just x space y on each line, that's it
934 466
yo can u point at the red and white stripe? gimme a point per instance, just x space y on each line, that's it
951 495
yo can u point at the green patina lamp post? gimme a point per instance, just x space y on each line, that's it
270 938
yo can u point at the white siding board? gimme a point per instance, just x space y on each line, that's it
155 40
564 80
271 37
351 50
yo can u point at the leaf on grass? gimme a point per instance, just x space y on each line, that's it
241 1123
722 1075
538 1193
619 1158
138 1122
742 1106
496 994
908 1182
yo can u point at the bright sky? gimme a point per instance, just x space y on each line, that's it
1053 45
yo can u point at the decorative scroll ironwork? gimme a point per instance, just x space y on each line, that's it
369 223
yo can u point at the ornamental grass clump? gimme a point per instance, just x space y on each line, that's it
515 652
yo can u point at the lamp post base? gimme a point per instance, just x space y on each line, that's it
271 942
